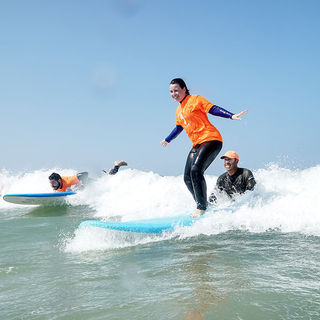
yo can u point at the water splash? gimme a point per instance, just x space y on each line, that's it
285 200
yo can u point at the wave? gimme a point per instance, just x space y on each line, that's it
285 200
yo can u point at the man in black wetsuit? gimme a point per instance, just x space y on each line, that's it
236 180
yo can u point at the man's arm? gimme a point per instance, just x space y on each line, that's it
219 187
115 169
250 181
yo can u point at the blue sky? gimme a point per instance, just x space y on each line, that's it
83 83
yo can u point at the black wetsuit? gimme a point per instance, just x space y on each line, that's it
239 182
114 170
199 159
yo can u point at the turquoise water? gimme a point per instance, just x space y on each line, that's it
251 263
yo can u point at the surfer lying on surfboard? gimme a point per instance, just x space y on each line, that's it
63 184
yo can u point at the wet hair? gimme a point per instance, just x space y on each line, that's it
54 176
181 84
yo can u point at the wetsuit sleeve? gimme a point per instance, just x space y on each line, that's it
251 182
218 189
114 170
223 185
220 184
220 112
175 132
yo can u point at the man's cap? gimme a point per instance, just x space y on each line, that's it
231 155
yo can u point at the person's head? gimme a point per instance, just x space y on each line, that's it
231 160
178 89
55 181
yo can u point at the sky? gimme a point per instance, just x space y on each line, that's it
84 83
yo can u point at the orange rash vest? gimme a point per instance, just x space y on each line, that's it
67 182
191 114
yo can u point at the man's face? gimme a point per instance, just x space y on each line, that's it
55 184
231 164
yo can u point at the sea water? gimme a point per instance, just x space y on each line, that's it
257 258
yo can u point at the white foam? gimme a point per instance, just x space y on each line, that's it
284 199
30 182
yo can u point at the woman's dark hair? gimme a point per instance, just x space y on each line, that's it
55 176
181 83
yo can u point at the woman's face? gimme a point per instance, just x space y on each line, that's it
176 92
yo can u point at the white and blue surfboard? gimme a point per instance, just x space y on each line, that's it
45 199
156 225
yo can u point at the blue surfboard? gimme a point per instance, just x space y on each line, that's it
156 225
46 199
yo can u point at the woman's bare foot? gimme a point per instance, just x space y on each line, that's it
120 163
198 213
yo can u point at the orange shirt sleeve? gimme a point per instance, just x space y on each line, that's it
203 104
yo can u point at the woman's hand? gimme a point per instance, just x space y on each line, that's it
238 116
164 143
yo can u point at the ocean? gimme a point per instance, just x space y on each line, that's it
257 258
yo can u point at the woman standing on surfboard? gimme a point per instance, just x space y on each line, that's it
191 115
